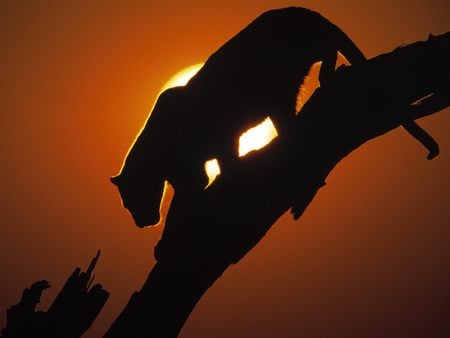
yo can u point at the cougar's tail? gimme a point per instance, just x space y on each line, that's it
423 137
348 48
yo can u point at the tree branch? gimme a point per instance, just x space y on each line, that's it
206 233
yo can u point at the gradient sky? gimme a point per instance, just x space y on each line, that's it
369 258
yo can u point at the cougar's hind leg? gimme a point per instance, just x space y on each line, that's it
423 137
328 66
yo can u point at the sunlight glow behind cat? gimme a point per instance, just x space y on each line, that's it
182 77
254 138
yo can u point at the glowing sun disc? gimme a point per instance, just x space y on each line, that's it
182 77
253 139
212 169
257 137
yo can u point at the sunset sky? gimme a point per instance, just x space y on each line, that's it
369 258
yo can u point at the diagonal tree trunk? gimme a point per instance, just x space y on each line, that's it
206 233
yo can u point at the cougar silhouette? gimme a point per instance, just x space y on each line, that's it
254 75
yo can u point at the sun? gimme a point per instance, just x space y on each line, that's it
182 77
257 137
254 138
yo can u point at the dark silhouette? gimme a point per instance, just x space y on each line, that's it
70 315
254 75
423 137
356 104
22 319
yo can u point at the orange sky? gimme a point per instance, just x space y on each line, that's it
369 258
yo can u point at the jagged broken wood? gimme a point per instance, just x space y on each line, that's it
70 315
206 233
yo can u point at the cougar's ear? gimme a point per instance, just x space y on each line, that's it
431 37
